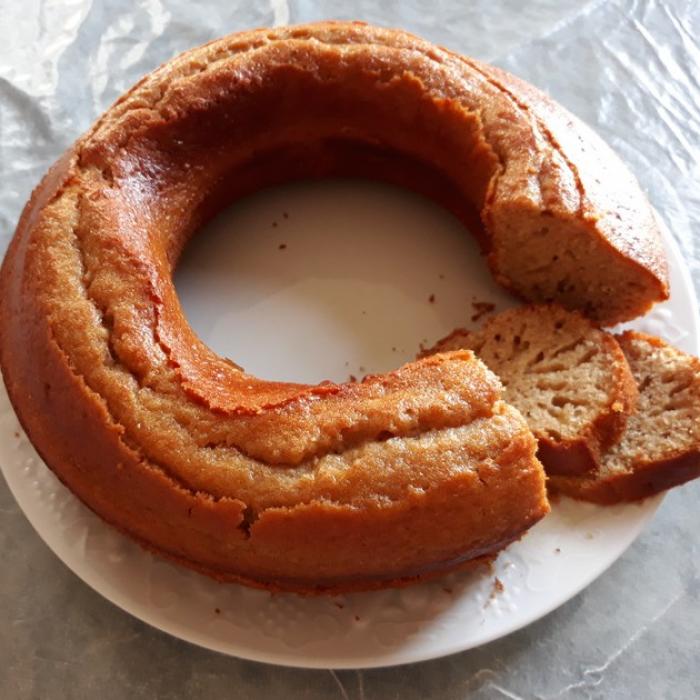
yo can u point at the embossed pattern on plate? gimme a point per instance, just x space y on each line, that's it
557 558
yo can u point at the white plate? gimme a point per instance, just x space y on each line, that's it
350 293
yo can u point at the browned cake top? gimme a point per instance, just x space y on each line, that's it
204 128
87 284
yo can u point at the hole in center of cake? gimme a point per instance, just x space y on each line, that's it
331 280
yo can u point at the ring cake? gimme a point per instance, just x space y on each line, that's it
288 486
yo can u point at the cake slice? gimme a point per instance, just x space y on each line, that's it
568 378
661 445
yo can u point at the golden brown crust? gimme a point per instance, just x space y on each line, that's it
331 587
212 534
610 199
647 480
180 448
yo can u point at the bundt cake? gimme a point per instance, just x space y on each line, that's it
295 487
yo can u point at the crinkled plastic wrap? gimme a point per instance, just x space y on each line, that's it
630 69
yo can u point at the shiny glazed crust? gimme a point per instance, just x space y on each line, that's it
294 487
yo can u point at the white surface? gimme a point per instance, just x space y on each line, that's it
298 314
